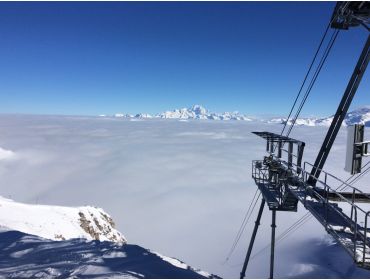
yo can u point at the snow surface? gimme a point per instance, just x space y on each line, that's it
59 223
178 188
28 256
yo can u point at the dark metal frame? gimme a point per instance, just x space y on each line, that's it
350 14
341 112
274 141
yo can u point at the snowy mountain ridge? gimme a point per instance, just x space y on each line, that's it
357 116
194 112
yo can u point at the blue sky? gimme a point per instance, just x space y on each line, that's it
91 58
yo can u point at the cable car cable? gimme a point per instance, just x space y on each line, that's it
243 225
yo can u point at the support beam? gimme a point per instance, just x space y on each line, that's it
257 223
273 227
341 112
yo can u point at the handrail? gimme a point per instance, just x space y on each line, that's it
354 207
350 220
329 188
365 239
340 180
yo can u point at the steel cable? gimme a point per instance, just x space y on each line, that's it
243 225
305 78
314 78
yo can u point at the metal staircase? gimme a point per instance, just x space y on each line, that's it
346 221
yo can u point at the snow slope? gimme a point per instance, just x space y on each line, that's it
59 223
27 256
44 241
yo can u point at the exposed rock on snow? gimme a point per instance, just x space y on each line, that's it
43 241
143 116
59 223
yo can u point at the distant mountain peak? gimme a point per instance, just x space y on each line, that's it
193 112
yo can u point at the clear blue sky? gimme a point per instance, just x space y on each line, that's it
92 58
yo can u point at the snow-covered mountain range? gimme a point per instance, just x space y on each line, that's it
360 115
357 116
194 112
45 241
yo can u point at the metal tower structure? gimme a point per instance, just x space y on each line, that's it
284 180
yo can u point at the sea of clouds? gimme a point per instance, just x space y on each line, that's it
180 188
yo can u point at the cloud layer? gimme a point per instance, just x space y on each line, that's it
179 188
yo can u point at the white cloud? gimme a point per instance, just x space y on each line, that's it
6 154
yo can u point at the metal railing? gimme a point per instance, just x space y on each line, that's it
320 193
